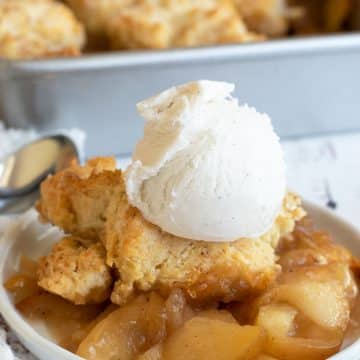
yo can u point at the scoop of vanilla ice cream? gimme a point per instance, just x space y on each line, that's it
206 168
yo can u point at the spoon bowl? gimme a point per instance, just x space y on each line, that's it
22 171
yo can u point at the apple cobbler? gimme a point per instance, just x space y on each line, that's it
39 28
118 287
48 28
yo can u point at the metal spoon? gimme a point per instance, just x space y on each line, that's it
22 171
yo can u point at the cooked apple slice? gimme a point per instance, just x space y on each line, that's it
291 348
322 293
73 340
155 319
119 336
340 272
277 319
210 339
325 303
177 310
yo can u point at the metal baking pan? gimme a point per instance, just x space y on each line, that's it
308 86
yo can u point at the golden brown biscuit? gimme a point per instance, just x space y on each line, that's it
76 272
150 259
269 17
95 14
76 199
38 28
218 25
91 200
162 24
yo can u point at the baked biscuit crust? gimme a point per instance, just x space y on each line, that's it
91 202
164 24
76 199
269 17
95 14
150 259
76 272
38 28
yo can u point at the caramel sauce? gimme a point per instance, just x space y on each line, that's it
24 283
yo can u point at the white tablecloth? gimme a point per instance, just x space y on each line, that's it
326 171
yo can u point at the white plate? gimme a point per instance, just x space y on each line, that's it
32 239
